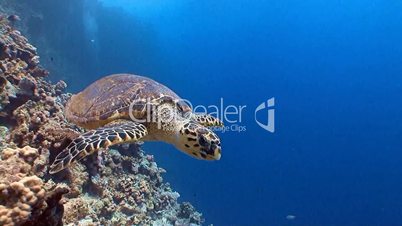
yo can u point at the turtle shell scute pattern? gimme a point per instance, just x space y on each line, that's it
109 98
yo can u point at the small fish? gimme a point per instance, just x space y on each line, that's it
13 18
290 217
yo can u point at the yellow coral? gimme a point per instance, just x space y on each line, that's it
27 153
8 152
18 198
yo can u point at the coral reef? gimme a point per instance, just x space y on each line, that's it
24 198
121 186
129 190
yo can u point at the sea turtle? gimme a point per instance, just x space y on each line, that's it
124 108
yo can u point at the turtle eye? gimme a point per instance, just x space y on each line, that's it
203 141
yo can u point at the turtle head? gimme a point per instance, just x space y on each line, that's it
198 141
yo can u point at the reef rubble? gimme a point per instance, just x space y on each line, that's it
121 186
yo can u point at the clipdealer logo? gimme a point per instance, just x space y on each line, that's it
269 105
230 114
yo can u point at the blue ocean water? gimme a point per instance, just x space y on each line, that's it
334 68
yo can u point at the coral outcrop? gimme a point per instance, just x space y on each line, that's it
24 197
121 186
129 190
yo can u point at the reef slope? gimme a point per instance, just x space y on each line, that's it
116 187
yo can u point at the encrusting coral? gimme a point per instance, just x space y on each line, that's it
121 186
24 198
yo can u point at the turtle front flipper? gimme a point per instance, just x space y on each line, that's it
116 132
206 120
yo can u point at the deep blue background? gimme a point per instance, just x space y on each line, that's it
335 69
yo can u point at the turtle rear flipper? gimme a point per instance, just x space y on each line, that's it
117 132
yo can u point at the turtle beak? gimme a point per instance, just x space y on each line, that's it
217 151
